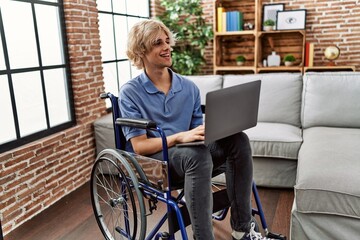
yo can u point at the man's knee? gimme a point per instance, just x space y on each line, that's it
200 159
242 140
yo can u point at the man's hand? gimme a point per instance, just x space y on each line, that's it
145 146
195 134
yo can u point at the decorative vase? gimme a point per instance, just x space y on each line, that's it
240 63
273 60
287 63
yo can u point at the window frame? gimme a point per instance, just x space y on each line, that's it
8 72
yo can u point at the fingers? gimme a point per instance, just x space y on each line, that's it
200 130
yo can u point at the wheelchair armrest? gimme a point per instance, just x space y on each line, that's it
138 123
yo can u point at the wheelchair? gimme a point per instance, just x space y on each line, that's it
126 188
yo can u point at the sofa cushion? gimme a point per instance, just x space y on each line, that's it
207 83
331 99
322 226
275 140
280 96
274 172
328 174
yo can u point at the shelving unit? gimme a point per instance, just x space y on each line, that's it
254 44
228 45
283 43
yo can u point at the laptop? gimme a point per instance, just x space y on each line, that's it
229 111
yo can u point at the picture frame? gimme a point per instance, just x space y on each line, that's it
291 20
270 12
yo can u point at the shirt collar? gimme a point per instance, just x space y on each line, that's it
149 86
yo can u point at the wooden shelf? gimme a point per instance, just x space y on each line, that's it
256 45
235 68
280 69
261 33
232 33
329 68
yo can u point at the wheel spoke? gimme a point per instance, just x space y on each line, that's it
116 200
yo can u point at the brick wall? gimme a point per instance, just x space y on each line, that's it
37 175
328 23
155 8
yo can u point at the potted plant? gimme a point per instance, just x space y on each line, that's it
193 33
289 60
269 25
240 60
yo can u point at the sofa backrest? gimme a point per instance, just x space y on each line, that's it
206 83
331 99
280 95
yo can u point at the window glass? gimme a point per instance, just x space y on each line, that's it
2 58
49 34
105 5
135 72
19 34
106 37
132 21
7 127
124 72
57 96
109 72
120 6
121 36
138 8
29 102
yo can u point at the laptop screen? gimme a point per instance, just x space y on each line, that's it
231 110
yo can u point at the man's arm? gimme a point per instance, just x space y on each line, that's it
146 146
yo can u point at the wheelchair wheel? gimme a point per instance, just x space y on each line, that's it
117 201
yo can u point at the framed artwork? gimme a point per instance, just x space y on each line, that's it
291 20
270 12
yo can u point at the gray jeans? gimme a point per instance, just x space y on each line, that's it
194 165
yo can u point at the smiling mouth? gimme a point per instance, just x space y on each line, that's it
165 55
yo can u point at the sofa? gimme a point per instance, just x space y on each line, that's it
307 138
327 195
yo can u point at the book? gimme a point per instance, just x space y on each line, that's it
228 27
234 21
311 55
307 46
220 25
224 27
241 21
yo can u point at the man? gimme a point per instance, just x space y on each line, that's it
173 102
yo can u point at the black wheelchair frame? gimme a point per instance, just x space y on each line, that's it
120 181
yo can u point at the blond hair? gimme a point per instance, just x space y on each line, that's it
142 37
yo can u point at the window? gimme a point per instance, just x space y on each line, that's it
116 17
35 96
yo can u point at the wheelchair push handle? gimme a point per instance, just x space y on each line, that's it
104 95
137 123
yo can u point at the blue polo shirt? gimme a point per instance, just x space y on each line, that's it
179 110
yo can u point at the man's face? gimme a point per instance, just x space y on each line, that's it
160 54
